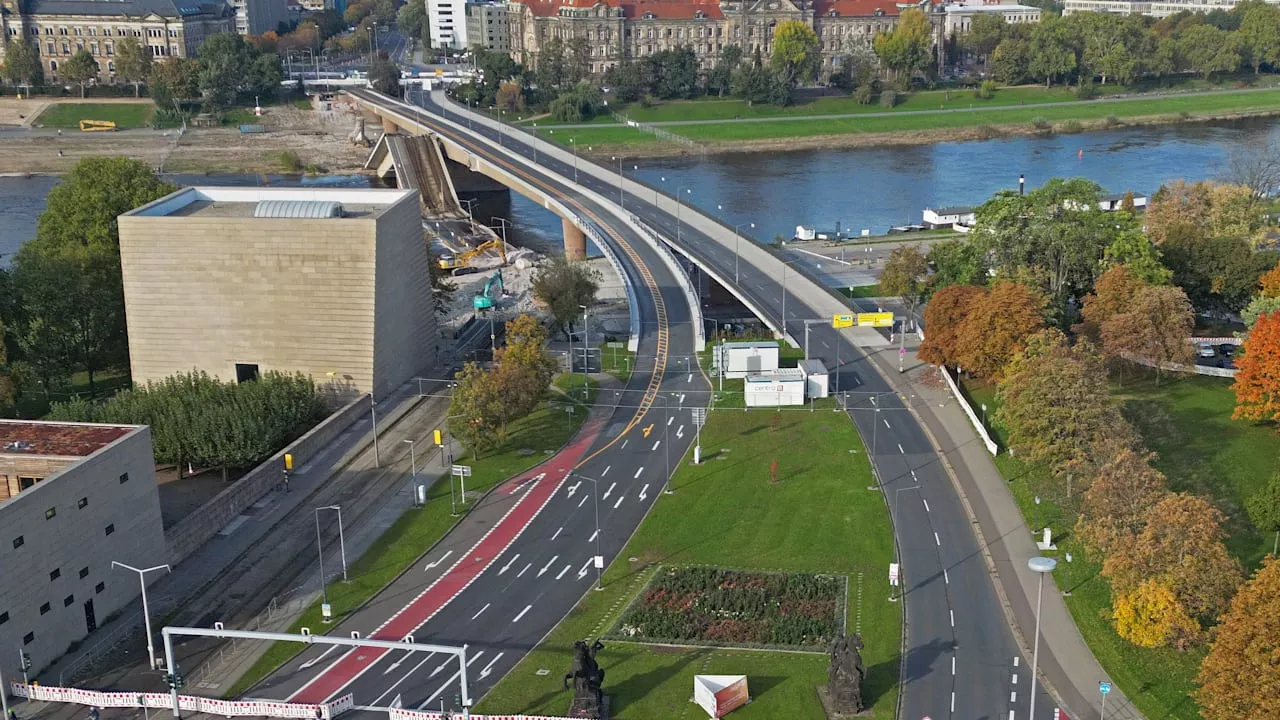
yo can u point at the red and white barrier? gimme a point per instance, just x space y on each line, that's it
402 714
212 706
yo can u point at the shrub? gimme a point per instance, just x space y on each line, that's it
1112 121
289 161
986 90
1086 90
864 95
1070 126
1184 115
888 98
986 131
1039 122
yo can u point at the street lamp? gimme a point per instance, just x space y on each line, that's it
146 615
688 191
737 236
1042 566
413 471
342 544
573 143
535 143
621 179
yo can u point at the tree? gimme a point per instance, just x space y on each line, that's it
510 97
627 80
1115 505
1264 510
1219 273
997 327
1112 47
1155 327
1051 53
1258 307
1260 34
171 81
955 262
1150 616
671 73
525 370
265 75
1011 60
758 84
1055 403
1257 382
1269 283
907 48
797 52
475 410
80 69
1113 293
564 287
1207 50
133 63
413 20
82 209
222 65
984 35
22 64
1181 545
1239 677
721 77
904 276
384 76
1132 249
944 316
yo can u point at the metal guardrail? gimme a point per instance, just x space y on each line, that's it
633 308
663 244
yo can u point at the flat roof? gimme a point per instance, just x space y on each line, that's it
813 366
240 202
751 344
779 375
57 439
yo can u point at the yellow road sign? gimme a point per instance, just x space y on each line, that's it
439 437
878 319
841 321
648 430
288 461
439 72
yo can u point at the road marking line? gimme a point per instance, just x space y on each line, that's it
900 450
670 420
637 475
1015 661
487 668
680 432
406 677
443 665
945 577
886 423
436 564
509 564
655 445
681 398
475 657
1015 678
583 501
624 444
953 664
926 504
1010 715
615 505
1013 696
522 612
690 378
565 570
952 613
582 571
593 536
436 694
547 567
573 488
953 701
553 537
311 663
605 496
486 607
913 476
525 570
935 538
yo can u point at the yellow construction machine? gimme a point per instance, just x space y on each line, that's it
461 260
97 125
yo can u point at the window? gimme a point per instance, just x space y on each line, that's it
83 503
124 478
111 49
75 30
99 588
173 50
44 609
93 48
28 638
50 48
54 574
66 48
19 542
62 31
246 372
111 528
84 573
111 67
53 65
50 513
25 482
66 601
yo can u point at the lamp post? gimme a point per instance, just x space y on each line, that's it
621 177
1040 565
342 541
146 615
573 143
586 339
413 472
688 191
535 143
737 237
655 191
373 418
595 496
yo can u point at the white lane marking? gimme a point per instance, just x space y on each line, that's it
945 577
432 566
1015 678
624 444
873 399
670 420
643 490
655 445
926 507
680 432
396 664
509 564
522 612
396 684
562 572
442 666
620 499
437 693
886 423
913 476
606 472
936 540
824 344
311 663
553 537
953 664
605 496
1010 715
488 668
691 377
637 475
525 570
681 398
1013 696
582 571
475 657
1015 661
900 450
952 613
953 701
572 489
486 607
547 567
583 501
593 536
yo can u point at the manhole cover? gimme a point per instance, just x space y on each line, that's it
526 452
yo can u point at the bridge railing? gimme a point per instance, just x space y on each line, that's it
589 229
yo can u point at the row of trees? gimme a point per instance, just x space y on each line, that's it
197 420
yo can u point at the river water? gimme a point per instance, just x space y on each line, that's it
872 188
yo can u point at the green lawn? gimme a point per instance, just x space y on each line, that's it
1187 422
819 518
125 115
861 291
617 361
1134 107
546 429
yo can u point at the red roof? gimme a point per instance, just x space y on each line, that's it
854 8
49 438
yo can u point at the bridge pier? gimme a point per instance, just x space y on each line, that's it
388 125
575 243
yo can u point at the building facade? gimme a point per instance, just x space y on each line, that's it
959 17
240 281
448 22
488 26
60 28
618 30
255 17
1153 8
74 498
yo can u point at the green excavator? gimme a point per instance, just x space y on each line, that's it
483 299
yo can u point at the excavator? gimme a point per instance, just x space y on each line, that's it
462 260
483 299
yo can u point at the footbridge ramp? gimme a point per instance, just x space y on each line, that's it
418 164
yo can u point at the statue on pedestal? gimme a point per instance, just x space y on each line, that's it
587 677
845 675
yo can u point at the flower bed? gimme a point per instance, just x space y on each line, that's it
714 606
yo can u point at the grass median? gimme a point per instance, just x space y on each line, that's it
126 115
819 517
1200 449
544 431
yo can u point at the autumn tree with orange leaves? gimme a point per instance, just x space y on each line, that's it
942 319
1240 678
1115 505
1112 294
1257 384
997 327
1154 327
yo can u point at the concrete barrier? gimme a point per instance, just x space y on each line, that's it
633 306
195 530
1179 367
973 417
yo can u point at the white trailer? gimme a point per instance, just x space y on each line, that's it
740 358
773 389
815 378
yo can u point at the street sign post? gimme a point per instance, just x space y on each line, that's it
875 319
841 321
699 419
1104 688
462 472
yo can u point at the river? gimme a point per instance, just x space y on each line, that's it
872 188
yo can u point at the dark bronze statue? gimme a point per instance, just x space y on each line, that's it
587 677
845 675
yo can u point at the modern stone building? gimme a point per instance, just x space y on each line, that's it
236 282
73 498
448 22
254 17
488 26
620 30
59 28
959 16
1153 8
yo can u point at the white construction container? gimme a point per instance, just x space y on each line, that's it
771 389
815 378
740 358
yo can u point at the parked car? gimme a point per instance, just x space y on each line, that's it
1205 350
1227 349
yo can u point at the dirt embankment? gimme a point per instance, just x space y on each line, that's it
317 137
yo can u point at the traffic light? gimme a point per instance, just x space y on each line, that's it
25 659
174 681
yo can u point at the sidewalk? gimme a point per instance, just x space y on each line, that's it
1067 666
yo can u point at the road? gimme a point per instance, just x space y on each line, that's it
523 558
961 657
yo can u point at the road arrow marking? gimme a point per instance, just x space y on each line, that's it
443 665
680 432
648 429
488 668
509 563
637 475
486 607
574 488
643 490
547 567
566 569
605 496
527 483
436 564
583 571
310 663
396 664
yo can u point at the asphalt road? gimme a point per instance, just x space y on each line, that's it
961 659
509 573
